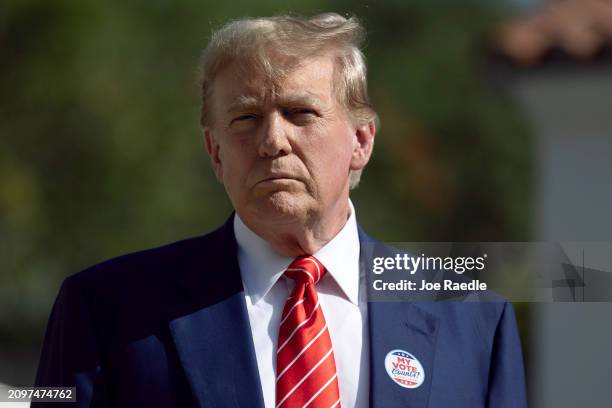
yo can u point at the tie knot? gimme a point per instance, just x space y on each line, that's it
305 269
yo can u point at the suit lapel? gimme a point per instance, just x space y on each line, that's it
210 327
397 325
215 347
404 326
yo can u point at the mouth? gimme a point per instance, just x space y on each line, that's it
279 178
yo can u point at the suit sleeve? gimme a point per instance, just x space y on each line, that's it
70 356
507 374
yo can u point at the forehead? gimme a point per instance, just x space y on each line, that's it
311 79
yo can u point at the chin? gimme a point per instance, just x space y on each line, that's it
283 206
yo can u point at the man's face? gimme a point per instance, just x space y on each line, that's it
286 152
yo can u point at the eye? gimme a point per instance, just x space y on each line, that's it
301 116
302 111
246 118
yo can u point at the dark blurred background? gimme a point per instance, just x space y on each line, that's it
101 153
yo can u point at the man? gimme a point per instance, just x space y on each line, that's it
270 309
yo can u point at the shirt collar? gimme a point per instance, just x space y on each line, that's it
261 266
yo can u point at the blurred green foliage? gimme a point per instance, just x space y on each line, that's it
101 153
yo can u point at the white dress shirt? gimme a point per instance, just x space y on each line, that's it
342 301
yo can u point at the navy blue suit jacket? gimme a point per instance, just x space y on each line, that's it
168 327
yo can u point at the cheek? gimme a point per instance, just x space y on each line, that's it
332 155
340 147
236 161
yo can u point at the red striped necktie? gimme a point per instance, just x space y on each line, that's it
305 366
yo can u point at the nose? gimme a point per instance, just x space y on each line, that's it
275 140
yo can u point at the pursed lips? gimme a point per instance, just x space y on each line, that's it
279 176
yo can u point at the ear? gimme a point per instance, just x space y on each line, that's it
363 143
212 147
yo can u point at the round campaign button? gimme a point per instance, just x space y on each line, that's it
404 369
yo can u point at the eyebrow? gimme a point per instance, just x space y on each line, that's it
247 102
300 98
243 102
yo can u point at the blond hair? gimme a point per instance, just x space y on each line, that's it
272 46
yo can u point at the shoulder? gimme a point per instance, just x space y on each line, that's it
129 266
145 277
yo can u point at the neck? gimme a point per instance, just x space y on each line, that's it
302 236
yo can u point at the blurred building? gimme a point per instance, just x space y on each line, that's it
556 62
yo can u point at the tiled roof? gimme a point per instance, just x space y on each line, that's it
579 28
